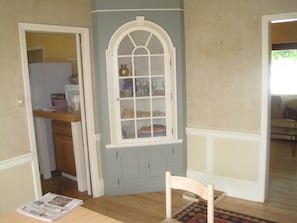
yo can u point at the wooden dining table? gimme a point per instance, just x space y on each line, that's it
78 215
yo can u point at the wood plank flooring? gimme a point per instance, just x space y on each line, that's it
283 177
62 185
281 205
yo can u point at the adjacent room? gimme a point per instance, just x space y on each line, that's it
53 71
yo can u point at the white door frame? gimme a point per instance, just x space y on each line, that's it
95 185
265 108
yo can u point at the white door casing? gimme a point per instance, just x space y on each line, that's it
93 168
265 107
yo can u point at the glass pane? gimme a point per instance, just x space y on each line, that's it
158 106
142 87
144 128
141 64
128 129
159 128
157 65
158 85
140 37
126 87
141 51
127 109
126 46
155 45
283 72
141 79
153 87
143 108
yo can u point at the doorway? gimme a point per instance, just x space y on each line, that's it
283 78
94 187
266 96
52 60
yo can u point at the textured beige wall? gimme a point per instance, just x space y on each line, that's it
223 62
14 135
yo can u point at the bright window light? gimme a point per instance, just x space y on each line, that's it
283 79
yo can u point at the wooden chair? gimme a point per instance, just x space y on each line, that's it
183 183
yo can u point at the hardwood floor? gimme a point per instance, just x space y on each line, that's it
281 205
283 176
62 185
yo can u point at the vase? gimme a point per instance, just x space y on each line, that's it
124 70
128 84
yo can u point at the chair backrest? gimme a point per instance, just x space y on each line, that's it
183 183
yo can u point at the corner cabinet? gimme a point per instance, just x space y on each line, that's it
141 77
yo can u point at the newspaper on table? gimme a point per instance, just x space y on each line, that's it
50 207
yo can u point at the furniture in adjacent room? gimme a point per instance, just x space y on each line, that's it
67 134
78 215
283 114
206 192
284 119
287 132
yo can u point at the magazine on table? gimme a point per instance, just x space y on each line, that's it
50 207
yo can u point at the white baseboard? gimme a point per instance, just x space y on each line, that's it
69 176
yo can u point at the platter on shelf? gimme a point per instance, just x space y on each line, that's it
158 130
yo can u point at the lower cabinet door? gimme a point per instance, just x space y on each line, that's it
63 146
64 154
131 168
157 163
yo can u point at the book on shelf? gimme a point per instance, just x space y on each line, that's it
49 207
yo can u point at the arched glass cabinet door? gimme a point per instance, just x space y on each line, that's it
141 85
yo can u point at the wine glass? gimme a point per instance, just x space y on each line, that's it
137 87
145 87
154 86
163 85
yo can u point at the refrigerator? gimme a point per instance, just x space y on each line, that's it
47 79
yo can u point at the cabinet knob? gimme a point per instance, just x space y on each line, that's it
118 99
147 165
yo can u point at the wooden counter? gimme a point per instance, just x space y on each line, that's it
58 115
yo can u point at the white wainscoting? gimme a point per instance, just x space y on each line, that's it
19 182
229 160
